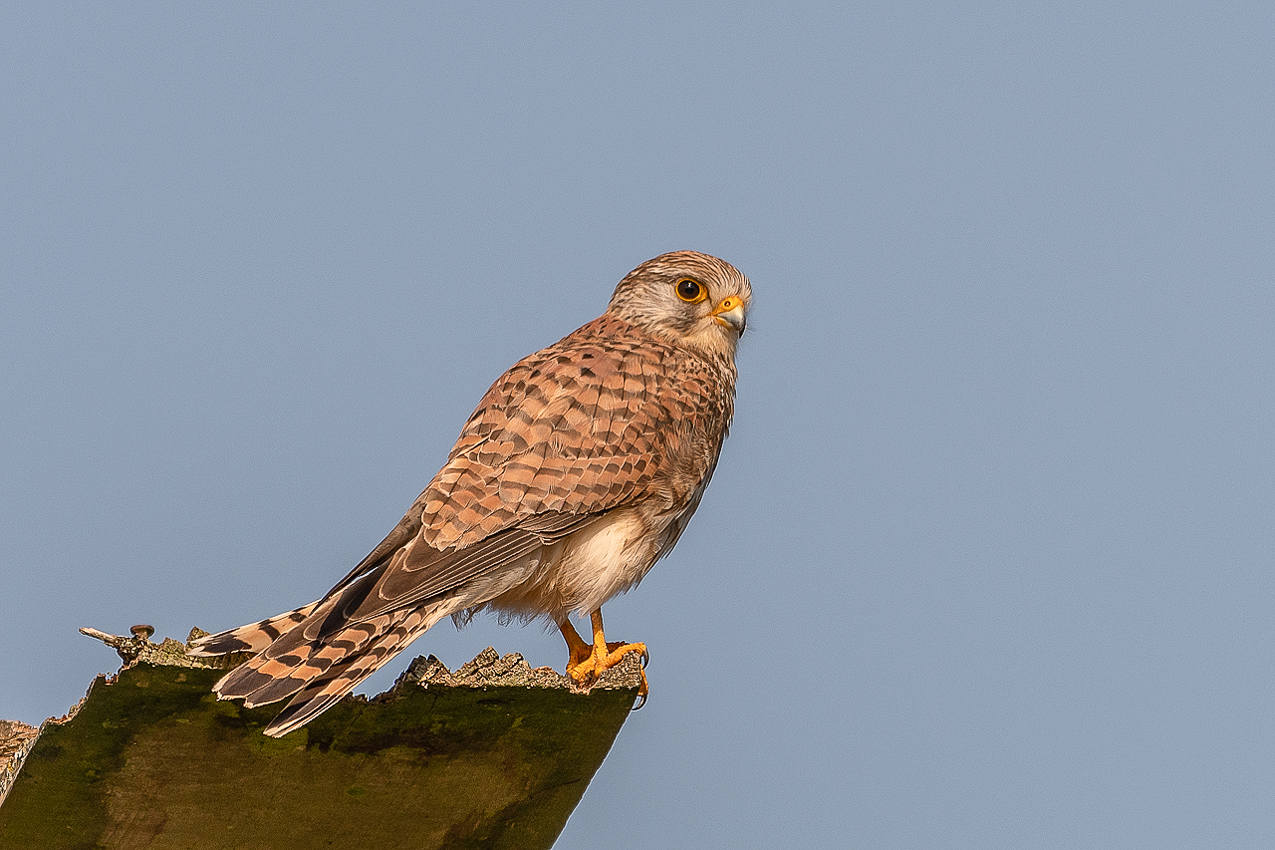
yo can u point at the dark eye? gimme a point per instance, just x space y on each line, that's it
690 291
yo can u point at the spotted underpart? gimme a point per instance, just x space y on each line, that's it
577 471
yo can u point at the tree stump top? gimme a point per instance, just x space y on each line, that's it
495 754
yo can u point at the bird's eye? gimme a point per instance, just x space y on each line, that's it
691 291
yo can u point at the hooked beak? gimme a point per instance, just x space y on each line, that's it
730 314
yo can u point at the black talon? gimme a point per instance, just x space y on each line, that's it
642 702
646 659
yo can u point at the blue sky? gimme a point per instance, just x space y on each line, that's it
987 560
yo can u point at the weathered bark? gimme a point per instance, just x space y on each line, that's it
15 740
495 755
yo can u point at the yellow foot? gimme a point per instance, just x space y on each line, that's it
587 670
587 662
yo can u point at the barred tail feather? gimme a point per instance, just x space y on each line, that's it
253 637
296 659
319 653
321 693
317 672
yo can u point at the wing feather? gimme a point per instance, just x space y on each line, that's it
591 424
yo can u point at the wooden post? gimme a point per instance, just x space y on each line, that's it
494 755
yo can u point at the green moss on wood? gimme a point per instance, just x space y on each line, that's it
153 760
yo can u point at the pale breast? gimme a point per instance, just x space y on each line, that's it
585 569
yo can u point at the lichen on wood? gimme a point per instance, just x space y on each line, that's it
496 754
15 740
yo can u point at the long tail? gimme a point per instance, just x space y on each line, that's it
320 674
253 637
315 669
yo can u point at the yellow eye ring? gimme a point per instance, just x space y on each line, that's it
691 291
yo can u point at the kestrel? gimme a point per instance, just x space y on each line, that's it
579 469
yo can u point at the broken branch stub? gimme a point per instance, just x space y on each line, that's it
495 754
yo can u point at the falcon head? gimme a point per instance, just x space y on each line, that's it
687 298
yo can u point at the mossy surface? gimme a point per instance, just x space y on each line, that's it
153 760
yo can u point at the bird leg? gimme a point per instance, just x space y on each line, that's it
587 662
580 651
